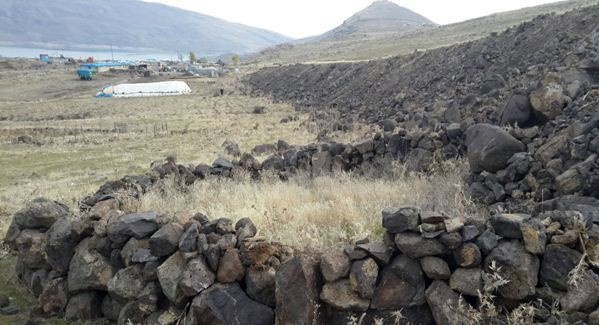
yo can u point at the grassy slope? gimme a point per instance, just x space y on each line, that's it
377 46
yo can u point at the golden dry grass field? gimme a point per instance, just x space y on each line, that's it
58 141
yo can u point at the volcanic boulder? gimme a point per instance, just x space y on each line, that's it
340 295
165 241
517 266
260 285
196 277
443 303
363 276
490 147
297 291
227 304
335 264
88 270
40 214
60 245
517 110
401 285
397 220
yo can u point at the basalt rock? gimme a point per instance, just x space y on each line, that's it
468 255
381 252
340 295
397 220
558 261
170 274
127 284
490 147
335 264
415 246
165 241
517 110
467 281
401 285
60 245
31 246
582 294
196 277
230 268
84 306
443 303
297 291
137 225
53 300
88 270
131 313
517 266
363 276
435 268
508 225
260 285
40 214
227 304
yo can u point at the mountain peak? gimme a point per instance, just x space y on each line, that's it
386 11
380 17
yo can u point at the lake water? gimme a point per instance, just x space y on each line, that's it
23 52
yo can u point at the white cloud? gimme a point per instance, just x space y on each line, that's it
302 18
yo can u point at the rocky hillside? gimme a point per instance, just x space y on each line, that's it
474 78
380 17
130 24
384 45
522 106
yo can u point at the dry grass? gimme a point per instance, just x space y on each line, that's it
316 212
77 147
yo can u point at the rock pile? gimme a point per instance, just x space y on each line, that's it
526 109
509 171
144 267
148 268
428 260
487 80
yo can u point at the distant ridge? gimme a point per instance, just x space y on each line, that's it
346 44
125 24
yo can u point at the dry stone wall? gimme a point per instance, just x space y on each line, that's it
109 260
417 150
151 269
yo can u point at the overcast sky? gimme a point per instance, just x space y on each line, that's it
302 18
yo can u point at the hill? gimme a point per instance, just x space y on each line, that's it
125 24
382 45
473 77
381 17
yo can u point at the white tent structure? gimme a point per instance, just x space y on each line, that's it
166 88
